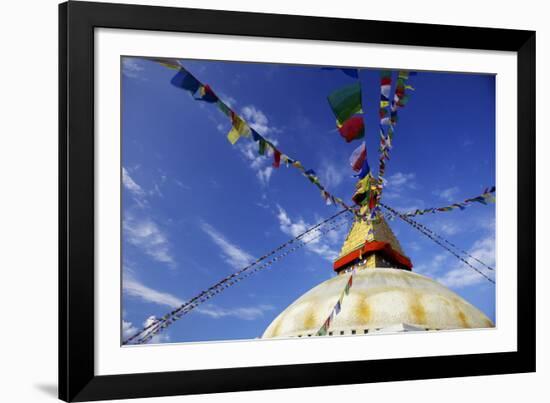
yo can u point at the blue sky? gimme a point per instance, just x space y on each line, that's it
195 208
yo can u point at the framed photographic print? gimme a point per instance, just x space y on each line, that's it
257 201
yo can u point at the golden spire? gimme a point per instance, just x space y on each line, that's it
373 243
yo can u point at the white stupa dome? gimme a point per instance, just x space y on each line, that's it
380 298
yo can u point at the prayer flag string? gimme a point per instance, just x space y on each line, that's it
419 228
240 128
323 330
485 198
400 99
316 231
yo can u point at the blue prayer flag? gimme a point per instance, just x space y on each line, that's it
184 79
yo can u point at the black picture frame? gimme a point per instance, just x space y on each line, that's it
77 21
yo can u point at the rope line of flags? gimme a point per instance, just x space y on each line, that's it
333 222
167 321
400 99
346 104
488 196
452 245
430 235
323 330
240 128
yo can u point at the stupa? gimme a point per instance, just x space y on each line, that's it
386 296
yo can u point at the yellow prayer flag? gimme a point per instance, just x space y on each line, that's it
384 104
233 135
240 128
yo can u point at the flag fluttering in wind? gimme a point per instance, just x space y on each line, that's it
358 156
185 80
364 189
358 161
346 102
207 95
323 330
488 196
239 128
352 129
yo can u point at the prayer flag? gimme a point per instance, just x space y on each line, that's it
184 79
363 190
226 110
403 101
345 102
255 135
276 158
240 128
357 157
365 170
261 146
206 94
385 76
352 129
348 286
403 75
337 307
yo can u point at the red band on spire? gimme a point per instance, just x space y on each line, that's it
384 248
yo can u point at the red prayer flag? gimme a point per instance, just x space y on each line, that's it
276 158
358 157
353 128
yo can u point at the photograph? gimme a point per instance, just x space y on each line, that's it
269 200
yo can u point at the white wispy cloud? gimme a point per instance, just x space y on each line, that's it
258 120
463 275
399 189
402 180
264 174
449 228
231 253
131 185
128 329
182 185
228 100
131 67
326 246
137 192
330 175
448 194
133 287
262 164
434 266
244 313
145 234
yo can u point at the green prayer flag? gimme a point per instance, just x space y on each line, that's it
404 75
345 102
403 100
261 146
224 108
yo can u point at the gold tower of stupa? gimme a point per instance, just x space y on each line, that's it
386 294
